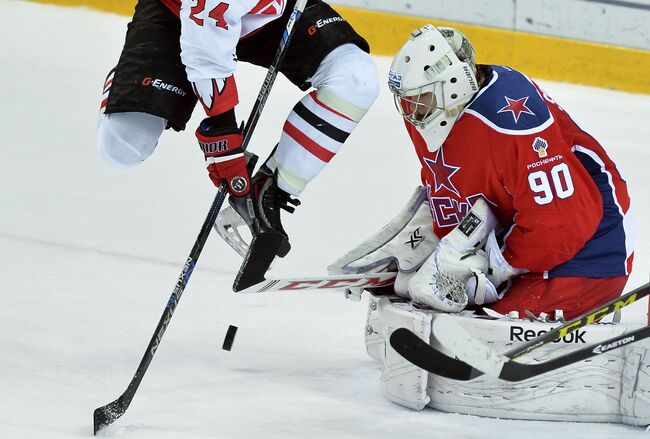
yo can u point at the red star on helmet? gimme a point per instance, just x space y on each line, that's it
516 107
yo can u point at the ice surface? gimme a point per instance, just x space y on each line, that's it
90 255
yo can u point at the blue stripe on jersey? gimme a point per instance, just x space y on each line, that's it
604 255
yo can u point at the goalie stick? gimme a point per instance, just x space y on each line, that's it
338 282
425 356
109 413
472 351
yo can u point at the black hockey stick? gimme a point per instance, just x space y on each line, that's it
425 356
482 357
107 414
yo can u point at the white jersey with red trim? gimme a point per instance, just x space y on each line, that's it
211 29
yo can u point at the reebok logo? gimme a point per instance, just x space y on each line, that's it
161 85
517 333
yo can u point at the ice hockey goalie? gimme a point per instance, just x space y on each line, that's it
611 387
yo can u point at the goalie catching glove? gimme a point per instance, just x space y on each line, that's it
466 267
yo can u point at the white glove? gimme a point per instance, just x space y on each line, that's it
455 275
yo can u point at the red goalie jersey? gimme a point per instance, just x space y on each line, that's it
562 202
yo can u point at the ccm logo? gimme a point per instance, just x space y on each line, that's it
517 333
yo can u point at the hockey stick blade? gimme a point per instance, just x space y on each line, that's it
438 363
263 249
474 352
106 415
336 282
418 352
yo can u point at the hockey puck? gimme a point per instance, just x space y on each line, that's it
230 338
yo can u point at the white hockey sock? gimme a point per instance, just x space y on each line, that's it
311 136
346 83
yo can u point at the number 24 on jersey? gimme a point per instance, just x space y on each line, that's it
217 14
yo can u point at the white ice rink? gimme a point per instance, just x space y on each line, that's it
89 256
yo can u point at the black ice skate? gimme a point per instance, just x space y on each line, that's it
260 209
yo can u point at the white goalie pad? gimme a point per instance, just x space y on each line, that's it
408 240
610 387
402 382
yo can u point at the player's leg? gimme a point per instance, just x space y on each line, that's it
345 87
328 55
572 295
147 91
126 139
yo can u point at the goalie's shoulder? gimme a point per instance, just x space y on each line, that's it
511 104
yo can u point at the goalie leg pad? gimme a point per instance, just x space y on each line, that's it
401 382
611 387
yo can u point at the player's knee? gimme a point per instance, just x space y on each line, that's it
359 78
350 74
126 139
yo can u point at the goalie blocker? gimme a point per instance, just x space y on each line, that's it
611 387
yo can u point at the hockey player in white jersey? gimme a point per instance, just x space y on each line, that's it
179 50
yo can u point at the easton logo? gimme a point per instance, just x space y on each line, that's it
416 239
602 348
517 333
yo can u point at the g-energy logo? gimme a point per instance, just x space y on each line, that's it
162 85
518 333
322 23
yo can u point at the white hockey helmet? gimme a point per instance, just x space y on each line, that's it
433 76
